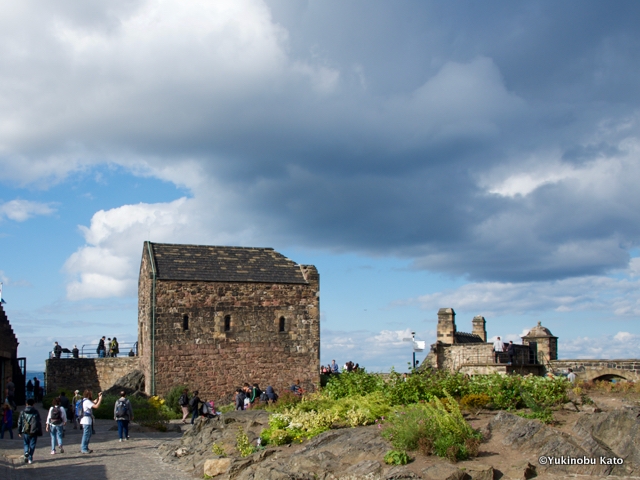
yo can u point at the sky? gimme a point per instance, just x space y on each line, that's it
483 156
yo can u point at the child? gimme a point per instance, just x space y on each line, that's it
7 420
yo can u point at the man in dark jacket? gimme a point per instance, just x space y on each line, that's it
511 352
57 350
29 428
194 404
101 348
123 414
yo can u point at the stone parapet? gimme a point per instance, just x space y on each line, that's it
96 374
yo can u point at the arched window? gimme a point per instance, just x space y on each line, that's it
281 324
185 322
227 323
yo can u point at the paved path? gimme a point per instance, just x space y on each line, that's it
136 458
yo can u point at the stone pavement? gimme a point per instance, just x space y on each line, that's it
136 458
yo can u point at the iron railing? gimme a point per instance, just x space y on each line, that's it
89 350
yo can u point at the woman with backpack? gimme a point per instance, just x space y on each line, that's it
183 401
56 419
123 414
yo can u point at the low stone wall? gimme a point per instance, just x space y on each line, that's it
458 356
96 374
587 370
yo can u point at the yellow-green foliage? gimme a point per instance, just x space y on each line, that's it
317 413
218 450
474 402
243 445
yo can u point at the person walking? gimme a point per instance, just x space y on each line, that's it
37 393
183 401
76 408
87 418
123 414
7 420
29 388
56 419
11 393
29 428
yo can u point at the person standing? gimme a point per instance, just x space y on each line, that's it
123 414
571 376
87 419
75 353
511 351
29 388
56 419
29 428
11 393
194 403
57 350
76 408
7 420
101 348
114 348
66 405
334 367
183 401
498 348
37 394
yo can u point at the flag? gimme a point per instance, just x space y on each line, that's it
419 345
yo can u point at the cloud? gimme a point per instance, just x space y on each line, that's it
620 345
570 295
498 156
374 351
22 210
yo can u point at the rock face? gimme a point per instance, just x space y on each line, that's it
132 383
600 437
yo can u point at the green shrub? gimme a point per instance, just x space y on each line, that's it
243 445
537 411
48 398
396 457
474 402
353 384
218 450
171 399
433 427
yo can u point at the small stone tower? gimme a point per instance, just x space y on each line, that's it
446 326
542 342
480 327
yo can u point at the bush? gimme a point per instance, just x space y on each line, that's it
353 384
243 445
396 457
474 402
171 399
433 427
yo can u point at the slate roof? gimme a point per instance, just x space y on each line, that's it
223 264
462 337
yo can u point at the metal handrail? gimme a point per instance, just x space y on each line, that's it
91 352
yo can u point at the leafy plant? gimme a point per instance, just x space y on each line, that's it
243 444
474 402
172 397
396 457
433 427
537 412
218 450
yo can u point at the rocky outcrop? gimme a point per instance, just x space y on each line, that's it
602 444
132 383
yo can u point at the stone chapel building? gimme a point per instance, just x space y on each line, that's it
213 318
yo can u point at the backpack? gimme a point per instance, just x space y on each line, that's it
30 424
56 416
121 409
184 400
193 402
264 397
79 413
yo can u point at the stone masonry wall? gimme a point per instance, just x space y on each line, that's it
96 374
454 357
215 361
590 369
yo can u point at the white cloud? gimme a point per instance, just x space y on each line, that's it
590 293
22 210
375 351
620 345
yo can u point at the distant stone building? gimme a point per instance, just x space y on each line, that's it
470 353
213 318
543 343
10 364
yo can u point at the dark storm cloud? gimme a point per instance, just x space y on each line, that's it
497 140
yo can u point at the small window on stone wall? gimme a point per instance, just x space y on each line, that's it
281 324
227 323
185 322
